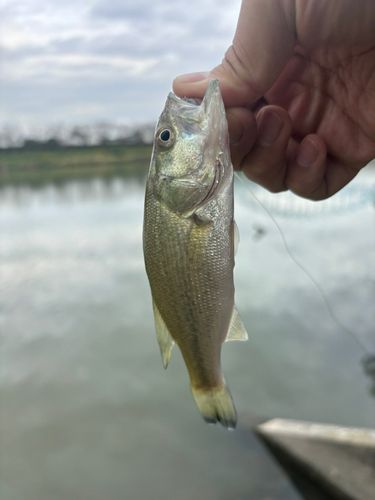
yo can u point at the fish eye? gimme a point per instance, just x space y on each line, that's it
165 137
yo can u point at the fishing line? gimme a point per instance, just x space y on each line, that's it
307 273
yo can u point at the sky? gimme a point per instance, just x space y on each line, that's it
103 60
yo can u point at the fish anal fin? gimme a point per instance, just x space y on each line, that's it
236 237
165 339
236 329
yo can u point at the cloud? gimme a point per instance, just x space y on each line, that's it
117 57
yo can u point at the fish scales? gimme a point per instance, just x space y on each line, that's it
191 303
189 244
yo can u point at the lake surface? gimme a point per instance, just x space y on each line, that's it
88 411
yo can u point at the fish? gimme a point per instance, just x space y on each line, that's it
189 242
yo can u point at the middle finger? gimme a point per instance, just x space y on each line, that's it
266 163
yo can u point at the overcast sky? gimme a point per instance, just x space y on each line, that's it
83 61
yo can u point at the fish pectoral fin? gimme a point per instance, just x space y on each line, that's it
236 329
201 217
165 340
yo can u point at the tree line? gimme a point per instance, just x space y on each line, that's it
84 135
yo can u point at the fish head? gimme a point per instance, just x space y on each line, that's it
191 156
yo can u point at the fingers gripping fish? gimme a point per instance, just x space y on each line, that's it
189 243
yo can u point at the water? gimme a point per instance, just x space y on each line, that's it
88 411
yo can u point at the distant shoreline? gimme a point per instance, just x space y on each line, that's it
35 167
22 166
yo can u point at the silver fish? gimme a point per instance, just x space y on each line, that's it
189 241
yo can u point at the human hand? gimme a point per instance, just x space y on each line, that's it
306 69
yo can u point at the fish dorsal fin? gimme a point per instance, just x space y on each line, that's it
236 237
236 329
165 340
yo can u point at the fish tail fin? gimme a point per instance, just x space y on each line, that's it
215 404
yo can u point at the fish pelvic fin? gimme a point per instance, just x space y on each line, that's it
236 329
216 405
165 339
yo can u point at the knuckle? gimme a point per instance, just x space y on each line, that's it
236 64
270 176
233 63
267 170
308 190
276 189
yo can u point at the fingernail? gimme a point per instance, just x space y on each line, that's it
236 129
269 127
193 77
307 153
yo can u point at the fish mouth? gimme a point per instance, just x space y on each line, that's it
207 112
192 101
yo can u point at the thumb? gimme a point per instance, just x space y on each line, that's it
262 46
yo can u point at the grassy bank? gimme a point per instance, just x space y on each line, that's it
18 166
